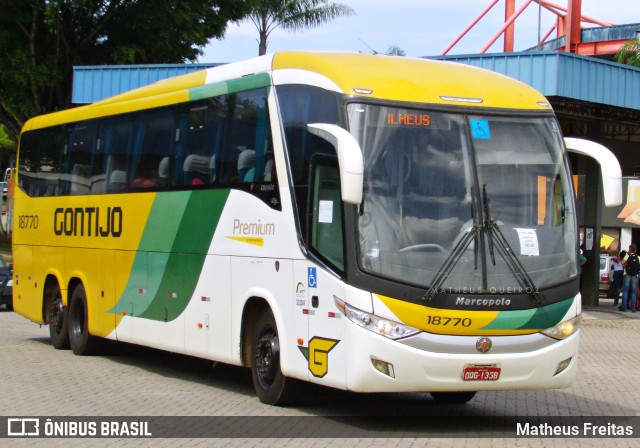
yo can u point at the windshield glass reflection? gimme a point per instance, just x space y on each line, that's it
425 173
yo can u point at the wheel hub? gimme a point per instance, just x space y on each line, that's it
267 356
56 315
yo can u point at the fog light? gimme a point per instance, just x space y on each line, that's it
383 367
563 365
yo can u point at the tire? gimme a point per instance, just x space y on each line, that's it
453 397
82 343
271 386
58 316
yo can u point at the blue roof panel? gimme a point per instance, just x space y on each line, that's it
96 82
557 73
605 33
596 34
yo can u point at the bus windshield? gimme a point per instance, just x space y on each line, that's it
468 202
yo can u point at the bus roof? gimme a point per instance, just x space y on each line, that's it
374 76
415 79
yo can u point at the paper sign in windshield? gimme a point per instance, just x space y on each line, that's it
325 212
528 242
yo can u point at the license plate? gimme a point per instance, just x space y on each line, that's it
472 372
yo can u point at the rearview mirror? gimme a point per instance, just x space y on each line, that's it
609 167
350 160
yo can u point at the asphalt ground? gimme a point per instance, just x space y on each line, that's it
135 381
128 380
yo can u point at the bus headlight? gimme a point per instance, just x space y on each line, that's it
563 329
384 327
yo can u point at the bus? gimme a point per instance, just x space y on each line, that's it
363 222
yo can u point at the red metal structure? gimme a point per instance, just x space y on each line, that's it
569 22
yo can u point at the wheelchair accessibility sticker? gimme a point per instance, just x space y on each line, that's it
480 129
313 279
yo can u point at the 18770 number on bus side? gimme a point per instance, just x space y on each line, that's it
28 221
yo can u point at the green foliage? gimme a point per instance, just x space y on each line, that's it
292 15
41 41
7 149
395 50
629 54
6 144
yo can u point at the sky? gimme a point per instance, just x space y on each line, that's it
419 27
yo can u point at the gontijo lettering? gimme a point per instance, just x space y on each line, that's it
88 221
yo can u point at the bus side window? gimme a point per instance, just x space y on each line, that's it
30 143
247 139
198 139
80 146
153 141
50 165
117 134
326 205
299 106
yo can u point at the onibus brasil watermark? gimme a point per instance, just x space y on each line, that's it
81 427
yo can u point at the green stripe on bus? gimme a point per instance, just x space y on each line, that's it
171 254
232 86
187 257
164 221
507 320
531 319
548 316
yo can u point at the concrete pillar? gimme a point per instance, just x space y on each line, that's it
591 218
593 232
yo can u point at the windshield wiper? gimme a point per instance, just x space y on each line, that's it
505 249
494 235
487 222
453 258
557 191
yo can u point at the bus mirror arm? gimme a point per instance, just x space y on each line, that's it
609 167
350 160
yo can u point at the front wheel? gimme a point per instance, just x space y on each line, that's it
271 386
58 320
453 397
82 343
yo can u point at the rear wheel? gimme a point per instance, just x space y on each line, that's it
271 386
58 320
453 397
82 343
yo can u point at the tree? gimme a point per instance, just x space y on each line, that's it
395 50
292 15
7 149
629 53
41 41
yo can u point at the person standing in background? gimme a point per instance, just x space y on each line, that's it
630 280
618 274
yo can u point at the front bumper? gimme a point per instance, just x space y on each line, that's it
428 371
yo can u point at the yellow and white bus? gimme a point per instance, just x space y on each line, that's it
368 223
